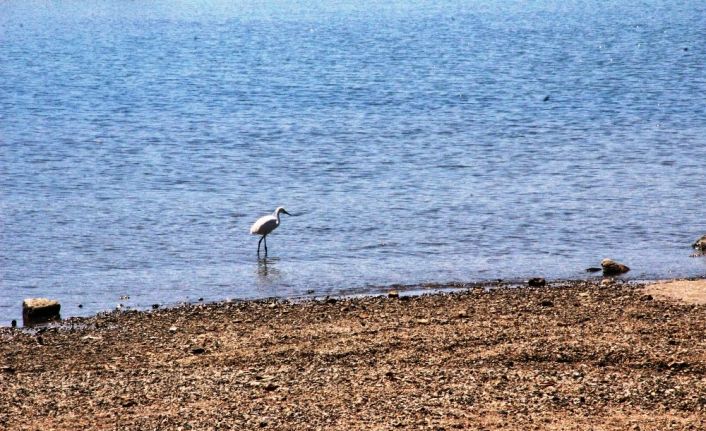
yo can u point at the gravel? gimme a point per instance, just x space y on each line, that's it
568 356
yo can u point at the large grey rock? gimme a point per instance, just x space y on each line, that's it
40 310
611 267
700 244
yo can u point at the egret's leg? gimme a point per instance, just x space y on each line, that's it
258 245
265 238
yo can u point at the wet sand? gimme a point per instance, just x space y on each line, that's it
569 356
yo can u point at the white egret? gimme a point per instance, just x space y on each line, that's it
266 224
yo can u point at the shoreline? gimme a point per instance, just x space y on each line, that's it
570 355
423 288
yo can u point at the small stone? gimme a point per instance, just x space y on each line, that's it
172 329
13 323
155 306
198 350
593 269
330 300
462 315
7 369
40 310
611 267
270 387
546 303
678 365
393 294
646 298
80 305
537 282
607 282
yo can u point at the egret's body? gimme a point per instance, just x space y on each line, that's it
266 224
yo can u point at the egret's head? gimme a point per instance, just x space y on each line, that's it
281 210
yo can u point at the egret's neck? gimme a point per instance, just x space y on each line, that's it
277 217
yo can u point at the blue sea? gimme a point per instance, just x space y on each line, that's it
413 142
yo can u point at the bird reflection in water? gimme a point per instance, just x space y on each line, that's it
266 269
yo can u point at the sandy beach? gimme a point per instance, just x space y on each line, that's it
570 356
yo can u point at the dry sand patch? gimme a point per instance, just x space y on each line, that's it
687 291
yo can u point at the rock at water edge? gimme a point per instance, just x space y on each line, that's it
40 310
611 267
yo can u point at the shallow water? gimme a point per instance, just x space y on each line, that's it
414 142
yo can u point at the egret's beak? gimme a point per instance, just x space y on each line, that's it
285 211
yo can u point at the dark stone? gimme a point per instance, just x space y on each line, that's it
155 306
198 350
546 98
271 387
593 269
40 310
546 303
330 300
646 298
13 323
678 365
537 282
393 294
700 244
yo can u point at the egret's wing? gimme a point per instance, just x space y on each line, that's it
264 225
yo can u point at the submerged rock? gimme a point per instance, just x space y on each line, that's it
611 267
40 310
700 244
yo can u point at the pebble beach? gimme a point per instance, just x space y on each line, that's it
573 355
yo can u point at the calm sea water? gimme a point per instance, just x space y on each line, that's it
414 141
